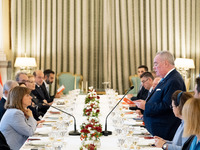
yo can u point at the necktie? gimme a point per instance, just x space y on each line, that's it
161 80
47 87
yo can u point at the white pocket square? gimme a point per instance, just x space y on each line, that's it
158 89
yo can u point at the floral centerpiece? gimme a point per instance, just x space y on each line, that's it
91 129
88 147
91 97
91 109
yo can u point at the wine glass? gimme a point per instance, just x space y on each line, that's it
135 140
106 85
121 140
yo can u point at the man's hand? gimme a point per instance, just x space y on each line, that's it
138 112
140 104
57 95
45 101
50 103
132 105
159 141
40 121
129 96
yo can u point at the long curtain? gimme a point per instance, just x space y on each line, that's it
1 27
104 40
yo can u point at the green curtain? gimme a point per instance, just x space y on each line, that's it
104 40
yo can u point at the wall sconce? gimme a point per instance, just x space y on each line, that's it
183 65
25 63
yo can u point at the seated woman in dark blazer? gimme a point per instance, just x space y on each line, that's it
191 117
18 123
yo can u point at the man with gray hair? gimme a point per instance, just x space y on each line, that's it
21 78
6 88
158 114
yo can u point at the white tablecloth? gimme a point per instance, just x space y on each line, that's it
74 142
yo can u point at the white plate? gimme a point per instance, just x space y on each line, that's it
43 131
51 117
127 110
38 143
146 142
43 141
152 148
131 116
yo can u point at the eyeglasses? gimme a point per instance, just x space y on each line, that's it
23 81
144 81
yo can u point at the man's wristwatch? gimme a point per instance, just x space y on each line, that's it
164 147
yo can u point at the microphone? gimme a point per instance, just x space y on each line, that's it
106 133
73 133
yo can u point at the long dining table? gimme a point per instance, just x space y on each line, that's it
42 137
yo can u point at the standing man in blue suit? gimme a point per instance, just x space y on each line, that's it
158 115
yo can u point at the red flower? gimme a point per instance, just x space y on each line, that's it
89 125
85 131
91 98
98 97
91 147
99 129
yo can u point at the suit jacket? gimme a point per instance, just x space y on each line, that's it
16 128
46 92
2 109
40 96
41 93
158 116
142 94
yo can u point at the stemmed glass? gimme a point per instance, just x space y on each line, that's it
135 141
121 140
106 85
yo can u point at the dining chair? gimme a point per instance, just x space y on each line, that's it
134 80
69 80
78 80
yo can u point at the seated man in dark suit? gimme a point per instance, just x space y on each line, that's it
142 93
49 77
147 82
40 91
158 115
6 88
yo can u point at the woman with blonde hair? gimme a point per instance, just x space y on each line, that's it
18 123
191 117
